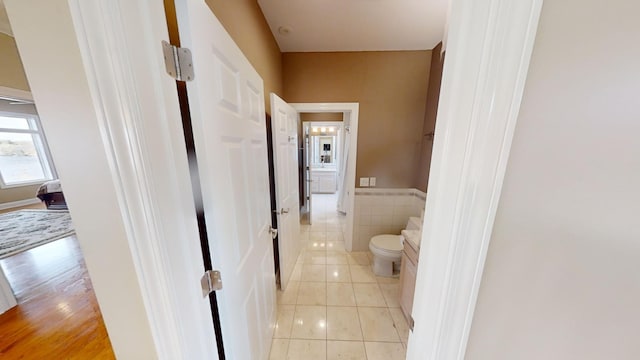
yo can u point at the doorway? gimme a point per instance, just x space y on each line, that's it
335 165
325 159
46 294
177 273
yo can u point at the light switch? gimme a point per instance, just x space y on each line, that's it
364 182
372 181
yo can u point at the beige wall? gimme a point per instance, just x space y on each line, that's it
18 193
12 76
562 278
391 88
244 21
11 71
431 112
321 116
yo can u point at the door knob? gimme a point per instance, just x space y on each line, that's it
285 211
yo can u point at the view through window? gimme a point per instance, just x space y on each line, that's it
23 154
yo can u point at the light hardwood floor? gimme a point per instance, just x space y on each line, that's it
57 316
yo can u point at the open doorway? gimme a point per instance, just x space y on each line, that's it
333 168
325 165
325 159
46 294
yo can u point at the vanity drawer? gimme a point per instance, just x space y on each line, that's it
412 254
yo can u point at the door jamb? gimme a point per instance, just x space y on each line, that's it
350 111
306 163
138 231
489 47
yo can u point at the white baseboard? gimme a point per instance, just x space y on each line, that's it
19 203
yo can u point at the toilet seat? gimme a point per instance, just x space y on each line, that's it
387 248
387 243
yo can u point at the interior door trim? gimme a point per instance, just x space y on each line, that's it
185 113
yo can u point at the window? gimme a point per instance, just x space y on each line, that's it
24 157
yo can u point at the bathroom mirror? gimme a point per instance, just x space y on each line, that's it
324 151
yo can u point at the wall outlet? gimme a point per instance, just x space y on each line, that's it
372 181
364 182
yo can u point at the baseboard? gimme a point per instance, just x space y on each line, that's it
19 203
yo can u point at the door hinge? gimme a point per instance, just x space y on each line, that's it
178 62
211 281
411 323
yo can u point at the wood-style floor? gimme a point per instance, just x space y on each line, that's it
57 316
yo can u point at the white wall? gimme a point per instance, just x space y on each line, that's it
52 60
562 278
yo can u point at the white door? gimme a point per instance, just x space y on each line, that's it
308 178
227 109
285 158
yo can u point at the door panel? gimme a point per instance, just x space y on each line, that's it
285 143
227 110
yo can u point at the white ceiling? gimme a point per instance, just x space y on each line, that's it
356 25
5 27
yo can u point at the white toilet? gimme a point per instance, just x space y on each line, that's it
387 249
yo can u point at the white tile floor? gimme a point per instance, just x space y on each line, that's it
334 306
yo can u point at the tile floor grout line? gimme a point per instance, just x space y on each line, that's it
339 261
326 313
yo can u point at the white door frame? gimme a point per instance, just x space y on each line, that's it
350 111
489 47
306 167
136 213
114 126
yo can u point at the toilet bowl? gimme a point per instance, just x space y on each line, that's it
387 250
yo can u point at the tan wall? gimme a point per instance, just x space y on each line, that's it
12 76
321 116
431 112
562 278
11 70
391 88
18 193
244 21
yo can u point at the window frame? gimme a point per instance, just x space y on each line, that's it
42 149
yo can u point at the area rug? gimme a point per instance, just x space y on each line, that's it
25 229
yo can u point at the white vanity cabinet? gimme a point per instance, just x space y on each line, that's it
408 273
324 181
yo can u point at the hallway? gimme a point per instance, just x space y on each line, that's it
335 307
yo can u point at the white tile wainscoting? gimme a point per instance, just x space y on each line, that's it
383 211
